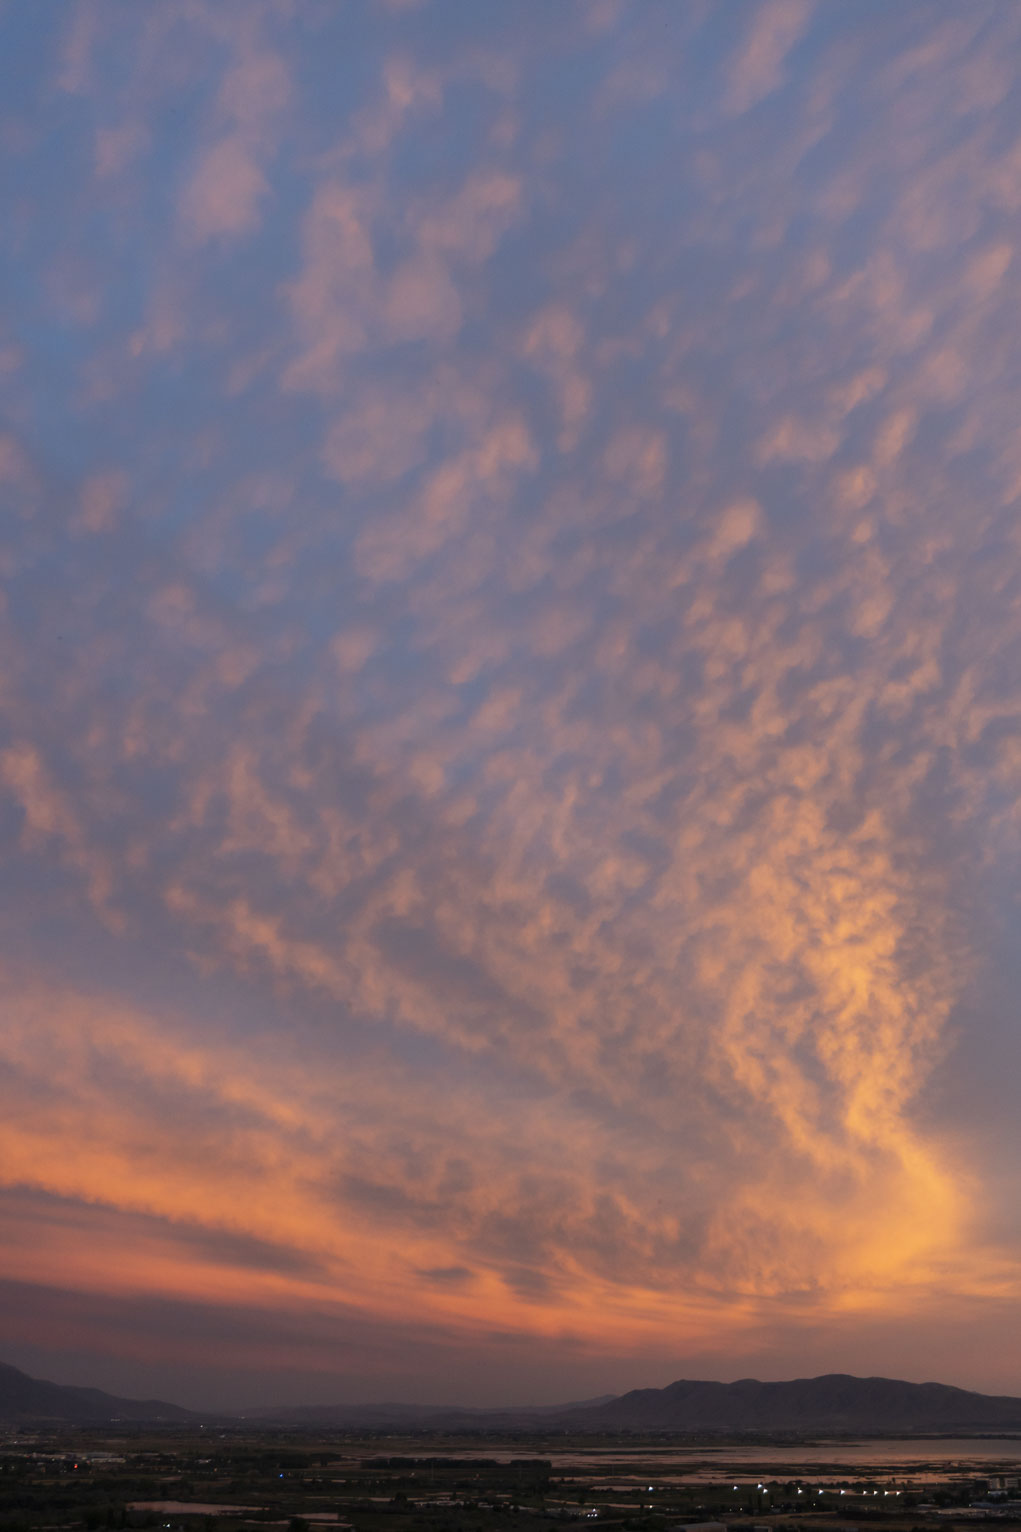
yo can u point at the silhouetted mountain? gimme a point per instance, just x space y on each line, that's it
30 1399
836 1402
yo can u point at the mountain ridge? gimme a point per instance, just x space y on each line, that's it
835 1403
832 1402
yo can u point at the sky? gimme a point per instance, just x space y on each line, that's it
510 703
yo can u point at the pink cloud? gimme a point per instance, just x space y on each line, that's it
224 194
757 67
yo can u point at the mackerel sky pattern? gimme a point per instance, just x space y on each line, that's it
510 714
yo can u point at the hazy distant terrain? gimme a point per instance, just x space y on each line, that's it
836 1402
433 1417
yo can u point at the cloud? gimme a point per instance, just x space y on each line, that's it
226 190
102 499
49 818
756 70
509 762
224 194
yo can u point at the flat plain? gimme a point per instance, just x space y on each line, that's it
233 1479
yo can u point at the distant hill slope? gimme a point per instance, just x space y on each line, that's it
29 1399
836 1402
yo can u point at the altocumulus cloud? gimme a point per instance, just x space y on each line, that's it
511 741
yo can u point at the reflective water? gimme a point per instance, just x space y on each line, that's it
192 1508
914 1459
